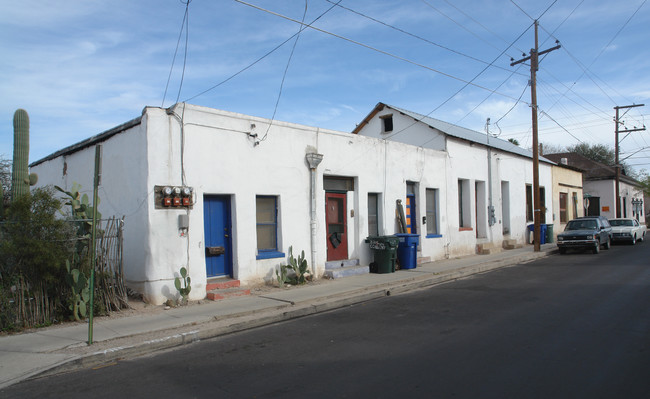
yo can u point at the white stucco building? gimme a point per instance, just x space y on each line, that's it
600 189
227 194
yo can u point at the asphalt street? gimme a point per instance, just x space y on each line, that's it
566 326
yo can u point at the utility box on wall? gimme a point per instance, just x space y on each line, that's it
174 197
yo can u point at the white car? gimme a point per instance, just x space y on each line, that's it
628 230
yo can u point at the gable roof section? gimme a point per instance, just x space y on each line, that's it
592 170
90 141
452 130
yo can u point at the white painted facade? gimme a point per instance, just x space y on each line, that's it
240 157
605 190
468 161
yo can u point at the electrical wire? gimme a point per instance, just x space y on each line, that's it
187 34
178 42
462 26
528 15
416 36
458 91
284 75
513 107
260 58
586 69
386 53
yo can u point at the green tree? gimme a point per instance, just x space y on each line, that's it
644 178
513 141
5 181
596 152
35 241
34 245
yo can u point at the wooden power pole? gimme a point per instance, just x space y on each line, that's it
618 122
534 66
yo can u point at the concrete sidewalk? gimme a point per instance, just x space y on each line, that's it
59 349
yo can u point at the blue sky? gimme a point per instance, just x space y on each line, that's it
82 67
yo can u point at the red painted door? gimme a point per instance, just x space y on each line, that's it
337 241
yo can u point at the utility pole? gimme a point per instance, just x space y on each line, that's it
617 122
534 66
491 215
93 256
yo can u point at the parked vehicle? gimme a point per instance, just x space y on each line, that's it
589 232
627 230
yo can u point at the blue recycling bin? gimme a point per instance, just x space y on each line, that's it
407 250
542 233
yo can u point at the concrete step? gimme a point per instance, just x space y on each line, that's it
335 264
217 294
346 271
511 244
487 248
221 284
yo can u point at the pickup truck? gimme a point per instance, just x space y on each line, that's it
585 233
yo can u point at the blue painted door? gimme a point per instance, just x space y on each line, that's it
217 230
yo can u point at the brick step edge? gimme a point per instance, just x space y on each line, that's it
216 295
221 284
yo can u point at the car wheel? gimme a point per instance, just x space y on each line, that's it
608 244
642 237
634 240
596 248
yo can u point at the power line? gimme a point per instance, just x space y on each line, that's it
386 53
418 37
586 69
259 59
284 75
458 91
187 34
460 25
513 107
178 42
528 15
485 99
474 20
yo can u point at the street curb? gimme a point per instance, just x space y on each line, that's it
254 319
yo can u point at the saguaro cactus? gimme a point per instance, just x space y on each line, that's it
20 178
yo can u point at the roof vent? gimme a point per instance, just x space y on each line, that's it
564 161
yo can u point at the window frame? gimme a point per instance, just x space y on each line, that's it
563 205
268 253
431 212
387 123
375 198
530 217
464 205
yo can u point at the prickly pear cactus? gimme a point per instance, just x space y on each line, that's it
183 288
80 207
80 292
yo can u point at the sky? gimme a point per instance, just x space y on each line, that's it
82 67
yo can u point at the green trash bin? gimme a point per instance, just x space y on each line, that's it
384 249
549 233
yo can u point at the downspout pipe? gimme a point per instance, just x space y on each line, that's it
313 160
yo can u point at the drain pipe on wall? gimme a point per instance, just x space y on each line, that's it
313 159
